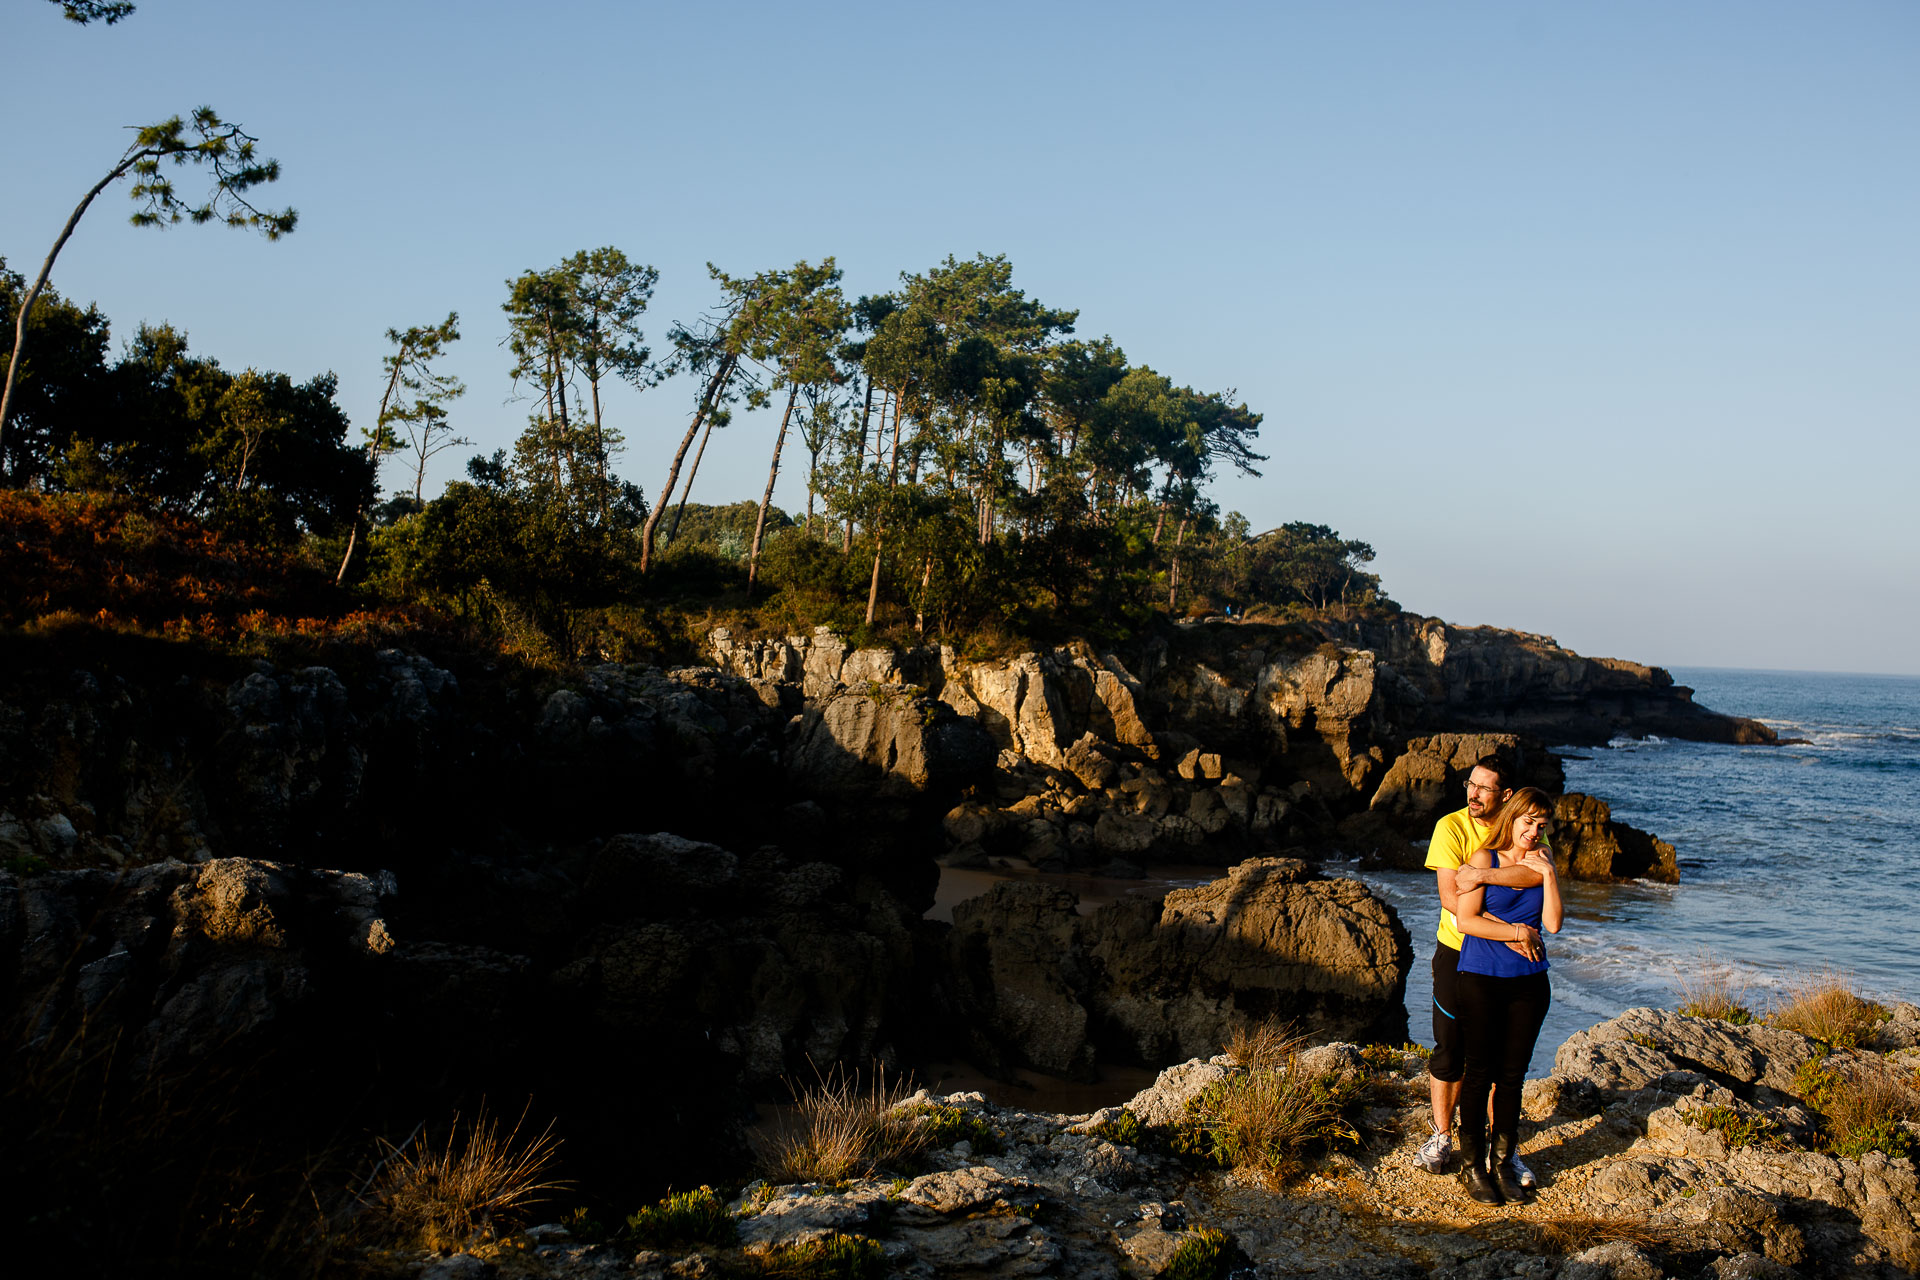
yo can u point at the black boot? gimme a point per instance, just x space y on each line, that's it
1480 1184
1504 1145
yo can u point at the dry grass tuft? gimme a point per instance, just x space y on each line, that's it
840 1129
477 1183
1269 1043
1268 1118
1825 1007
1712 991
1575 1233
1865 1105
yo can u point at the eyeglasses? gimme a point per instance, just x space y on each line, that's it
1480 789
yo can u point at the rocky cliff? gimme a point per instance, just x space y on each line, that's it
620 887
1223 740
227 886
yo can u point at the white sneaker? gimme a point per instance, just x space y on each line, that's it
1521 1171
1435 1154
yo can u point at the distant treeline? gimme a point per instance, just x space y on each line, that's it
971 466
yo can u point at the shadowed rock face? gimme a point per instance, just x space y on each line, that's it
1151 982
536 944
1589 845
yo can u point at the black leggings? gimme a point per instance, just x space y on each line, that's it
1501 1018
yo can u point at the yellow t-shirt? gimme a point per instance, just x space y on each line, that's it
1455 837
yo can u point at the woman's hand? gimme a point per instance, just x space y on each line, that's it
1538 860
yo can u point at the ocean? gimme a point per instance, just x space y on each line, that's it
1793 859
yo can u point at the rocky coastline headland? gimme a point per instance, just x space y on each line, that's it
331 900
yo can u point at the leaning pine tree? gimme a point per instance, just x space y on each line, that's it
205 140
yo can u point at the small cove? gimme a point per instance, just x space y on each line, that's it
1793 859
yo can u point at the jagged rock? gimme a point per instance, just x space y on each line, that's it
1272 939
1614 1260
1124 833
1641 1046
1745 1220
1428 779
1013 952
1589 845
192 960
1021 708
968 822
1164 1105
1231 704
460 1266
799 1212
1750 1266
886 743
971 1190
1561 1095
1089 763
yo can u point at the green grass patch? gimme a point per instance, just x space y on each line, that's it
835 1257
1862 1104
685 1217
1124 1130
943 1126
1206 1253
1739 1130
1389 1057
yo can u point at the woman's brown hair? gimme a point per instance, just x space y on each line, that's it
1523 802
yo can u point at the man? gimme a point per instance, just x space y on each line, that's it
1455 837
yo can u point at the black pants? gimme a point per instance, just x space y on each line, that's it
1449 1058
1500 1019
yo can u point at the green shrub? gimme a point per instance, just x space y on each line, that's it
1388 1057
1739 1130
1124 1130
686 1217
1205 1254
835 1257
582 1225
1882 1134
1815 1082
942 1126
1861 1106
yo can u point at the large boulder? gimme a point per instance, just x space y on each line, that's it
885 741
1272 939
1428 779
1643 1046
1589 845
1157 982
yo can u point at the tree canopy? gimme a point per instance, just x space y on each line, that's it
973 464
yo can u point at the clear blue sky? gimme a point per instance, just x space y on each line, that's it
1601 321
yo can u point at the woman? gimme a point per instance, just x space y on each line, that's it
1503 996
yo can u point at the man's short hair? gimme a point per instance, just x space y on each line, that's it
1501 768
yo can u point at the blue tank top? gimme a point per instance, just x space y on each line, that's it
1497 959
